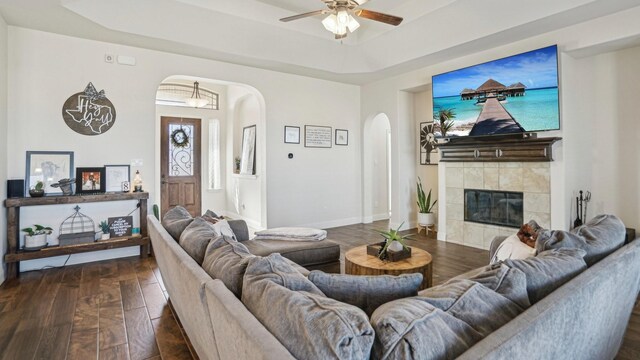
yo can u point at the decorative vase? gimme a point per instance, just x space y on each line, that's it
105 236
395 246
35 241
426 219
36 193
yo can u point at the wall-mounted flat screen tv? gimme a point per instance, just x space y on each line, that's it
516 94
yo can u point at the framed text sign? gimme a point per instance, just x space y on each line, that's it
317 136
120 226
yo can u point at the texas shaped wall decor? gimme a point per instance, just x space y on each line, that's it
89 112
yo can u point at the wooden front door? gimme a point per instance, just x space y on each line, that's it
180 164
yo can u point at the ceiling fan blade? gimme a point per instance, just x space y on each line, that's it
378 16
301 16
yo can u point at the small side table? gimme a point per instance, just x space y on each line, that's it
357 262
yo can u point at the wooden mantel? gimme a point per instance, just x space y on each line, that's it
498 149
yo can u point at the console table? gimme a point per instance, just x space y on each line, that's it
15 255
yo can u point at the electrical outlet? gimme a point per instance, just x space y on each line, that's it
108 58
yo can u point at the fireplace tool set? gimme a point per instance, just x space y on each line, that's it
582 201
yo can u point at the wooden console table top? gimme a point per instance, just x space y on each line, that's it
357 262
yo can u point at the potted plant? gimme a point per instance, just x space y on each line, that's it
36 236
393 248
38 190
425 216
236 161
104 226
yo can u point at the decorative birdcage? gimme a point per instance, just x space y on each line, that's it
77 229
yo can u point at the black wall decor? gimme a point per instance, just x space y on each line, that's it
89 112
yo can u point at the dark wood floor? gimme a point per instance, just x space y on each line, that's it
118 309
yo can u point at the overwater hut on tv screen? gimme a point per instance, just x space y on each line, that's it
515 94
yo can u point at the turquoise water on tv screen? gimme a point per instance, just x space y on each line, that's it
536 111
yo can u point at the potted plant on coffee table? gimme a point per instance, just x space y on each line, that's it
36 237
425 216
393 248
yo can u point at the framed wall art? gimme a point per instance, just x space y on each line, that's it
48 167
317 136
115 176
292 135
90 180
428 144
342 137
89 112
248 158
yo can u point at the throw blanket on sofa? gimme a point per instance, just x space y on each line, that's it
292 234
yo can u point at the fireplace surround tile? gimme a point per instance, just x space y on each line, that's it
455 211
511 179
473 235
455 195
536 180
539 203
454 177
473 178
491 179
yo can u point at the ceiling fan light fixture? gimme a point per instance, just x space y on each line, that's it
353 25
339 22
195 100
360 2
331 23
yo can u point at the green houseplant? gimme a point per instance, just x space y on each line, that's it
36 236
393 241
425 206
38 190
104 226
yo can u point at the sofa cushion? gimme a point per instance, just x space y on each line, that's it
508 282
599 237
222 227
549 270
226 259
308 324
176 220
441 323
302 253
196 237
366 292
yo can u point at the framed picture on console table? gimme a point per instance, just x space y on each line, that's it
428 144
90 180
48 167
115 175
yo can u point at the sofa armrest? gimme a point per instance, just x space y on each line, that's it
239 228
495 243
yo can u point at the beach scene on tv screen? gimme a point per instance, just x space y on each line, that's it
516 94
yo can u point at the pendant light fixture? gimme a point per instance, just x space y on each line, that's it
196 101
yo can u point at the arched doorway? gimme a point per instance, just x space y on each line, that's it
376 168
235 195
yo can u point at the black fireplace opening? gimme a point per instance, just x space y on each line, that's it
502 208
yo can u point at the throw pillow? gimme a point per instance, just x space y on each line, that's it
196 237
549 270
226 259
441 323
366 292
512 248
308 324
223 228
599 237
176 220
508 282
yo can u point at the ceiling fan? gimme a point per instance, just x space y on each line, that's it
341 16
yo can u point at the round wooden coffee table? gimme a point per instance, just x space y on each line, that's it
357 262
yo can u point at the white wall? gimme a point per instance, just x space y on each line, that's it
380 194
3 141
605 142
387 96
320 186
423 105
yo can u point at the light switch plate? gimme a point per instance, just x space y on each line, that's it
137 162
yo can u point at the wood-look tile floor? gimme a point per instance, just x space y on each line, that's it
118 309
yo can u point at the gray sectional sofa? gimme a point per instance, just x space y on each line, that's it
583 319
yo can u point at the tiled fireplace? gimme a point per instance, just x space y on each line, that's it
520 191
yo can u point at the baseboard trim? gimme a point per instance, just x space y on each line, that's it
334 223
379 217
